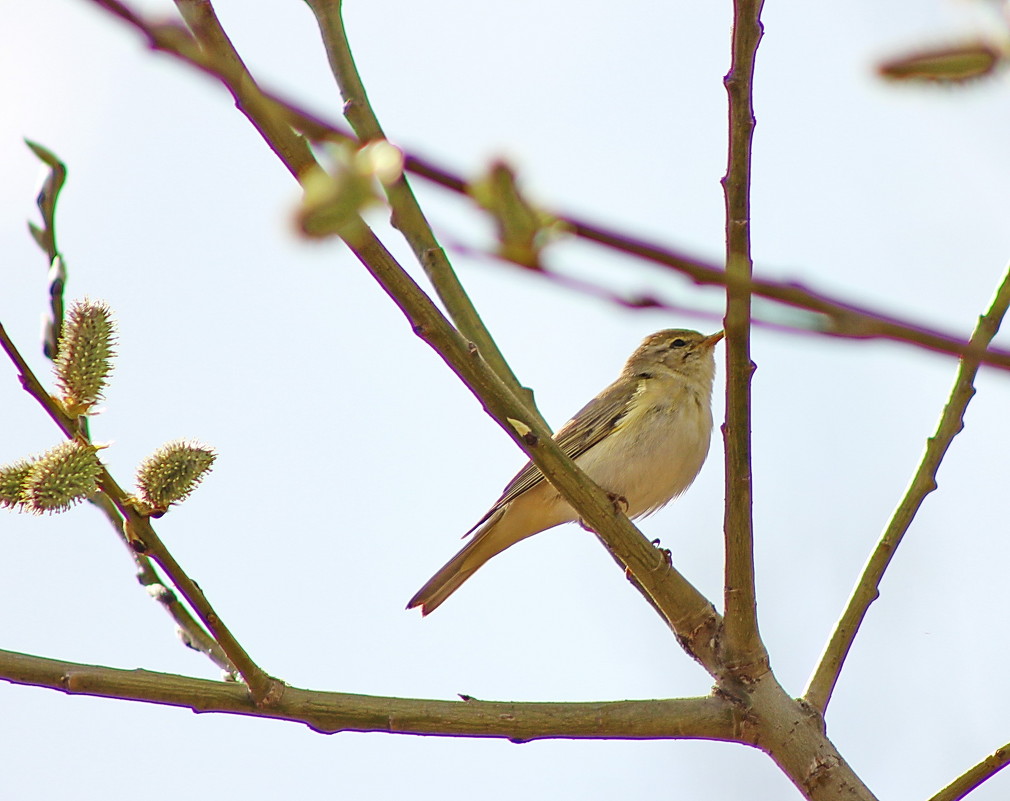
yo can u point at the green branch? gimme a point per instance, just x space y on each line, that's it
744 649
709 718
867 590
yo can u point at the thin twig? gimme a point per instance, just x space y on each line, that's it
867 590
744 649
408 216
190 631
263 688
45 238
973 777
841 319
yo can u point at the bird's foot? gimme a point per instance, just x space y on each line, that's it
619 501
664 552
620 505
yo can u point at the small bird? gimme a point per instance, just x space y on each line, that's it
643 439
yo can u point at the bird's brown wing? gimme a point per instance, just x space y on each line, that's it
589 425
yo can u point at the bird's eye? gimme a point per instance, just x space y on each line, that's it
678 343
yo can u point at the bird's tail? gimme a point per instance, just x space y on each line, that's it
486 542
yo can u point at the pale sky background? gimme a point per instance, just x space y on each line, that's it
351 460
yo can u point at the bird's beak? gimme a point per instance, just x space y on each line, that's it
712 341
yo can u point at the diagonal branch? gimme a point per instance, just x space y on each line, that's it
407 214
834 317
974 776
272 124
867 590
688 613
192 634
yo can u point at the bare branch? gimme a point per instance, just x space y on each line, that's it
192 634
972 778
407 214
685 610
709 718
867 590
271 122
744 650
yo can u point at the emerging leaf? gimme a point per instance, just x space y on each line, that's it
522 229
45 236
333 201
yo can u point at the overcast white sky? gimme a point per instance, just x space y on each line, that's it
351 460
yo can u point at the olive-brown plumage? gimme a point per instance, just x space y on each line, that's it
644 438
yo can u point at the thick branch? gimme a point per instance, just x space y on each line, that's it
711 718
867 590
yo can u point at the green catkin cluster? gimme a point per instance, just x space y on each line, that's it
12 478
53 482
84 358
172 472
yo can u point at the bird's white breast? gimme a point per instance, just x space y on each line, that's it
658 448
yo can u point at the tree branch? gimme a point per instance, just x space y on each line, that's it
690 615
710 718
407 214
840 319
192 634
867 590
744 650
271 122
974 777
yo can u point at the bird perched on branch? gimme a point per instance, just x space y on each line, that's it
643 439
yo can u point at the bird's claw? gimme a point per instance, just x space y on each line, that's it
619 501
